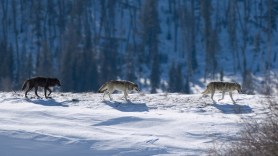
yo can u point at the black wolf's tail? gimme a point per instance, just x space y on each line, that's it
24 85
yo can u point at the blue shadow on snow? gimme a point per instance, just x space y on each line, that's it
233 108
127 106
119 120
46 102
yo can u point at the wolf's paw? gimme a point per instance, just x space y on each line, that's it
127 100
38 97
75 100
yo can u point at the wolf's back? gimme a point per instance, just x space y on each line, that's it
103 88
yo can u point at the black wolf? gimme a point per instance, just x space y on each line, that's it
40 82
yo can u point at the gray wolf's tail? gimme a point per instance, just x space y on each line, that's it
206 91
24 85
102 88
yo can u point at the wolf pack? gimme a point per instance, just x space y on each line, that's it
124 86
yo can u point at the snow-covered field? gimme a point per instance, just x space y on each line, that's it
149 124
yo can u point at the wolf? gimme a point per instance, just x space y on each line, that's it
37 82
223 87
113 85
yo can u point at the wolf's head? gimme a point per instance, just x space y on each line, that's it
57 82
238 88
135 88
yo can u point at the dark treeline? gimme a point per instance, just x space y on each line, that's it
87 42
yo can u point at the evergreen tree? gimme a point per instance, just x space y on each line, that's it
176 83
27 69
232 29
68 60
89 66
172 79
130 63
210 39
109 43
6 67
179 79
150 32
44 65
155 74
109 69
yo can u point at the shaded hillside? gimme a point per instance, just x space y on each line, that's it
166 45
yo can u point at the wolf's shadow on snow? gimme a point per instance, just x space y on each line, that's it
233 108
115 121
47 102
127 106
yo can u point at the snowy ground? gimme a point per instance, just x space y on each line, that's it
151 124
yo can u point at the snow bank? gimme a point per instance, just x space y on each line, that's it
148 124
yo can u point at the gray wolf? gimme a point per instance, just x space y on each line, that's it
222 87
40 82
113 85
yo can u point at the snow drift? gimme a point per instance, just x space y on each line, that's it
147 124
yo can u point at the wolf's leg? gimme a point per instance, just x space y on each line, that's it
45 92
223 94
212 93
125 94
26 93
230 93
49 91
109 94
30 88
36 91
103 95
